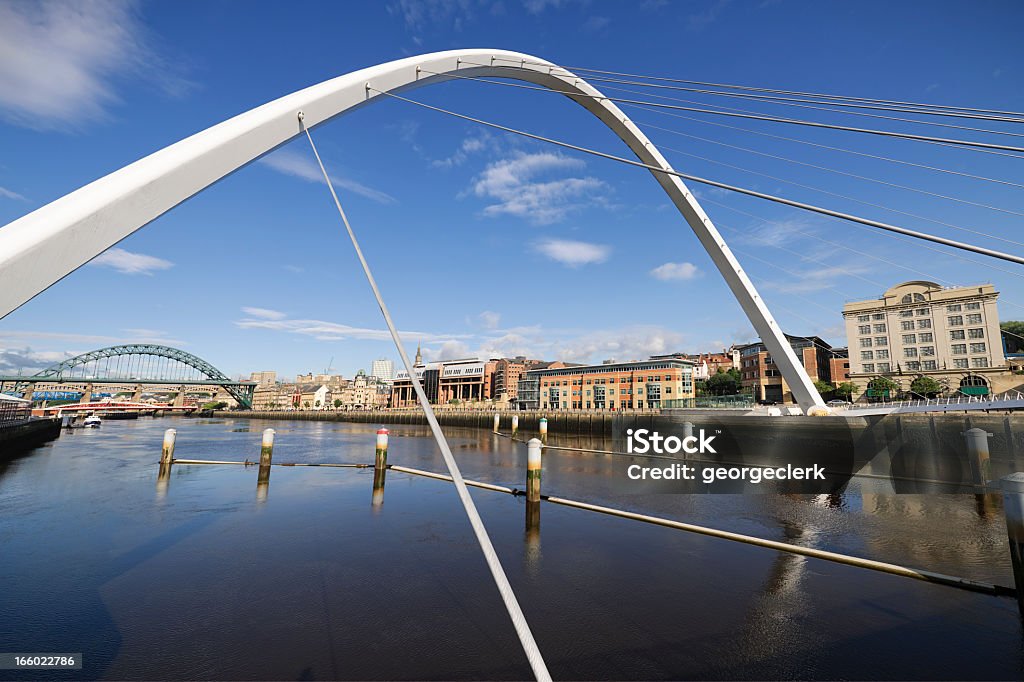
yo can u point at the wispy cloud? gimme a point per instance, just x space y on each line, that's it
20 352
59 61
264 313
707 16
675 271
290 163
130 263
8 194
323 330
514 186
470 145
489 319
573 253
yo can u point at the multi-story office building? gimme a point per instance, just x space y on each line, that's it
266 378
447 383
615 385
383 369
507 374
761 376
921 328
839 365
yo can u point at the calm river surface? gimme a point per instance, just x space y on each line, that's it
204 581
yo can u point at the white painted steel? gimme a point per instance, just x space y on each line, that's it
46 245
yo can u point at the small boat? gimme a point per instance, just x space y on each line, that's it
92 422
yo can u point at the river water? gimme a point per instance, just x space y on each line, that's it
204 578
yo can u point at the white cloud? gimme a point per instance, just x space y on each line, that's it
322 330
513 185
264 313
470 145
130 263
59 60
675 271
302 167
489 319
573 253
8 194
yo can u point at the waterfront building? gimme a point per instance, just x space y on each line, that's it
273 397
649 384
313 396
507 374
707 364
761 377
362 393
839 365
920 328
264 378
383 369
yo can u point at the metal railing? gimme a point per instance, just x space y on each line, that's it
960 399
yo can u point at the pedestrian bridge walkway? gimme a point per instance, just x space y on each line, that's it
1009 400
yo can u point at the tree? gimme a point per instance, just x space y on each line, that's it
724 383
845 390
306 404
883 387
824 387
337 403
926 386
317 404
215 405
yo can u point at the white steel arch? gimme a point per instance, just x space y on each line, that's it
46 245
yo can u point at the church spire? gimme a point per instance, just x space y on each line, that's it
419 355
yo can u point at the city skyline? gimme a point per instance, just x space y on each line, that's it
483 244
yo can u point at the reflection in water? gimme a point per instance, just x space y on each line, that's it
341 583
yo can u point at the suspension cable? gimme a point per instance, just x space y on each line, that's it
850 175
753 89
832 148
791 101
714 183
955 143
529 645
835 194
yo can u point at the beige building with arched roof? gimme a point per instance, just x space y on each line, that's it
916 328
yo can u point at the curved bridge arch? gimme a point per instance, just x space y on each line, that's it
51 242
64 371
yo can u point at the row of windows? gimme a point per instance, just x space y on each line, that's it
925 337
623 380
918 311
925 365
867 329
958 320
868 318
961 348
908 325
955 308
652 391
598 405
874 355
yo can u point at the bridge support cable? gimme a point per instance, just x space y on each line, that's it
937 107
969 145
522 628
714 183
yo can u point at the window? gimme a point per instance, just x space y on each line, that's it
866 355
909 338
929 364
869 367
863 318
956 320
956 335
959 349
910 352
881 341
864 329
878 316
878 328
927 351
865 343
924 324
978 333
881 355
922 311
907 326
960 363
979 362
977 347
926 337
883 367
974 318
953 308
906 313
919 298
973 306
907 299
914 366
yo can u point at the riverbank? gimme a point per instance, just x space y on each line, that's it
20 436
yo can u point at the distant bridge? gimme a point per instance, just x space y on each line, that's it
1010 400
132 367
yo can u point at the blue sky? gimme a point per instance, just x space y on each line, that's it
484 243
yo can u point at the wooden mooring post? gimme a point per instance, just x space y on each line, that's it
1013 507
380 467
